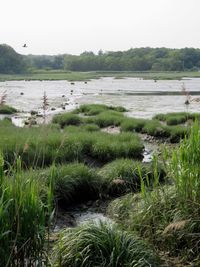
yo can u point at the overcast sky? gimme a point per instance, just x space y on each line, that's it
75 26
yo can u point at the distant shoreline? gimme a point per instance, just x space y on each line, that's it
87 76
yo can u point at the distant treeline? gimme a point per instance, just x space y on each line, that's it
137 59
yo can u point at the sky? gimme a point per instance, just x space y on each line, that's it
73 26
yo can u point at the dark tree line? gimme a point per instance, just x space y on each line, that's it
10 61
137 59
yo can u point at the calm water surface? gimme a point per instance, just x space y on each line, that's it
27 95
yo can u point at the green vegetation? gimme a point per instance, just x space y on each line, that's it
66 119
10 61
138 59
158 201
106 118
124 175
168 216
101 245
73 182
148 63
95 109
133 124
176 118
23 218
41 146
87 76
5 109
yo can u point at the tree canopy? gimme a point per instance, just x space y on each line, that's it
137 59
10 61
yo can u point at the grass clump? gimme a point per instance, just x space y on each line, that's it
95 109
23 218
106 118
107 147
75 183
91 109
101 244
177 133
133 124
67 119
176 118
155 128
5 109
124 175
90 127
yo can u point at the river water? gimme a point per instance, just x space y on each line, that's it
143 98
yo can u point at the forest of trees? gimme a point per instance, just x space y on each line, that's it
10 61
137 59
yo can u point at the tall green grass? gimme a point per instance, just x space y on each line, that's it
123 176
42 146
185 171
101 245
169 216
24 218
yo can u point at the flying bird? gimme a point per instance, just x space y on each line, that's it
24 45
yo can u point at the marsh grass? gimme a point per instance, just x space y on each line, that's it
107 147
24 218
75 183
133 124
67 119
176 118
106 118
169 216
155 128
177 133
101 244
123 176
95 109
5 109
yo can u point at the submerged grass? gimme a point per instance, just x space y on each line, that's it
101 245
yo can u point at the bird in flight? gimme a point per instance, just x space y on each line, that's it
24 45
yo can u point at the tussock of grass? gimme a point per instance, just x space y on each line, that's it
90 127
108 147
124 175
5 109
102 245
67 119
133 124
177 133
176 118
95 109
75 182
106 118
23 218
155 128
